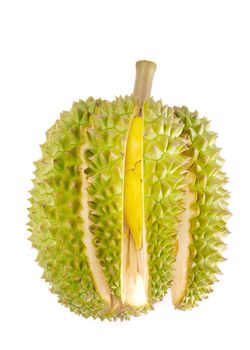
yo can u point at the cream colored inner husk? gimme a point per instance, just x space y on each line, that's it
94 264
179 285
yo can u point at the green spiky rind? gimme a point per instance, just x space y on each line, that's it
125 312
119 312
208 226
56 223
55 220
105 158
165 166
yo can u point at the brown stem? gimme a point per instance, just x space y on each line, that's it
143 80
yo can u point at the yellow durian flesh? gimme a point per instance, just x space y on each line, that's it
133 193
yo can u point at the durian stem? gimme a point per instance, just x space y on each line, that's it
143 80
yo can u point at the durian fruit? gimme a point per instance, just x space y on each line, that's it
128 201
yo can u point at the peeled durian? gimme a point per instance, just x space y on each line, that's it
128 201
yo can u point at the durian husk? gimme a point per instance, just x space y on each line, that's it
165 168
207 224
84 155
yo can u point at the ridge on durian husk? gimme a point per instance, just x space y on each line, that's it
165 166
210 213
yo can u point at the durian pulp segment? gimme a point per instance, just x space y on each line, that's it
134 276
94 264
133 181
184 238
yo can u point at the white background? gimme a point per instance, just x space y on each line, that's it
54 52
